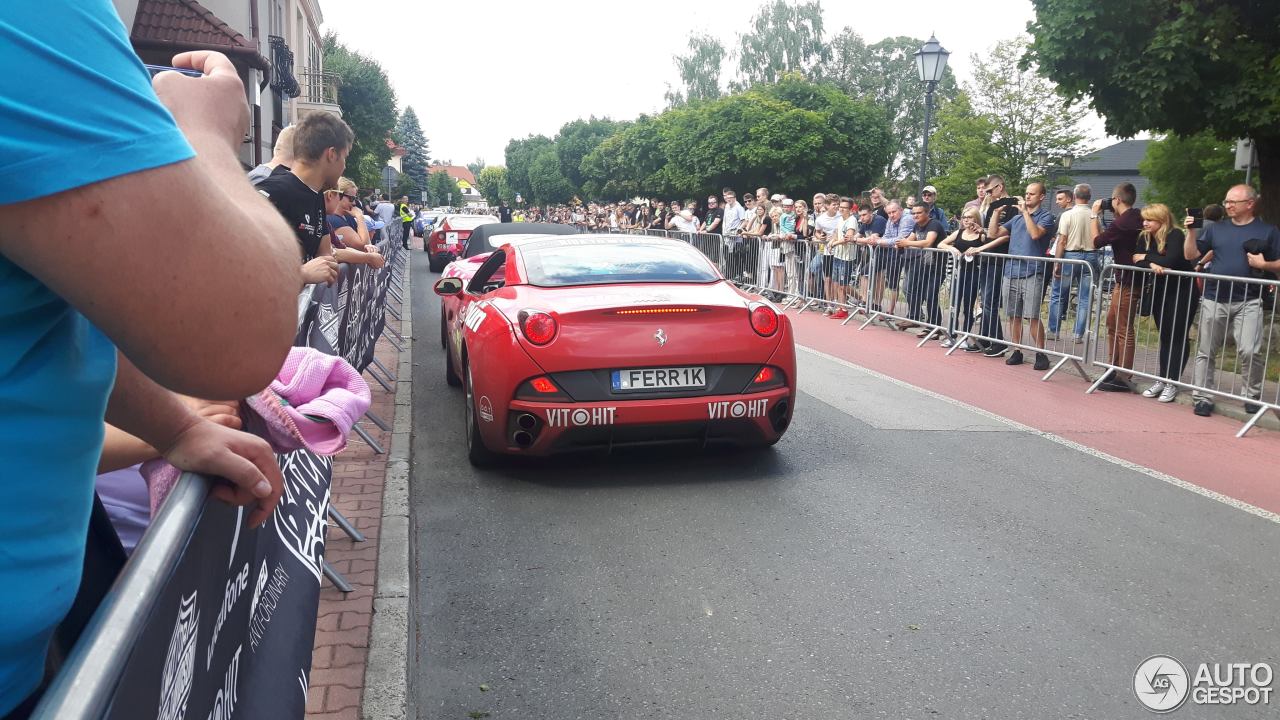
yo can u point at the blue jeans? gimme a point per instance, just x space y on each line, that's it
1073 275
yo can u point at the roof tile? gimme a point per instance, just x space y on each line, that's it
182 22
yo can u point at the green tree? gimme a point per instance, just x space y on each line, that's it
476 167
578 138
784 37
492 183
1028 115
885 73
441 189
1189 172
794 135
368 105
699 71
547 184
627 164
961 150
409 136
1183 67
519 156
406 186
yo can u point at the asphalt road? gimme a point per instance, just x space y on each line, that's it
895 556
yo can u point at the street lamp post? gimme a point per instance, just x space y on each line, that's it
1048 164
931 61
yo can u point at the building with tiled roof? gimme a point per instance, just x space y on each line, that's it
1104 169
275 44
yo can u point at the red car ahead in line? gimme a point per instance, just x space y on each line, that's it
566 343
446 242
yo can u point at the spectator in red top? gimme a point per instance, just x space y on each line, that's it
1122 236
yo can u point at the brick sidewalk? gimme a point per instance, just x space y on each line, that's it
342 628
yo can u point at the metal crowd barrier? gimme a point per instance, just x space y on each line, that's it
993 282
960 300
179 635
1214 335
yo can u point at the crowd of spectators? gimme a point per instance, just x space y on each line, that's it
862 252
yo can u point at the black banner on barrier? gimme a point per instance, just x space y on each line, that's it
234 624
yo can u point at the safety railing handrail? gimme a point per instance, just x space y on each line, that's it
1206 388
84 685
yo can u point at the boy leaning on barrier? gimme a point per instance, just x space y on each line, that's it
321 143
1243 246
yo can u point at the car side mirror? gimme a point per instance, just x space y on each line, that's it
448 287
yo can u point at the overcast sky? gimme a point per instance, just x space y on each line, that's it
542 64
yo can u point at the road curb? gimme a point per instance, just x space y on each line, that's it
386 670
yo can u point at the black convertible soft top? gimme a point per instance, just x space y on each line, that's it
478 243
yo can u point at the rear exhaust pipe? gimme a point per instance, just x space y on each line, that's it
523 439
778 415
526 421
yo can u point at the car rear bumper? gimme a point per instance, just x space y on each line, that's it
540 429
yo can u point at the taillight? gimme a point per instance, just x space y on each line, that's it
764 320
538 327
541 389
767 378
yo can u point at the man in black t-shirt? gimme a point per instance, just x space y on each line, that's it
504 212
715 216
321 143
925 270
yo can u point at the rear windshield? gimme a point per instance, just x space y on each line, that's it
469 222
596 264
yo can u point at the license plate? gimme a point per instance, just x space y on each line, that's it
660 378
451 238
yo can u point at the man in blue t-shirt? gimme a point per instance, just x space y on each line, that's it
1029 235
78 158
1245 247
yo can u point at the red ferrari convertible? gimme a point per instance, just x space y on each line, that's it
582 342
446 242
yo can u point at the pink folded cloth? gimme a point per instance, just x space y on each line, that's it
312 404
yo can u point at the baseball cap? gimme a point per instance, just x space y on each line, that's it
775 197
929 189
788 201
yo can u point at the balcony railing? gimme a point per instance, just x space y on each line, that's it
319 87
282 80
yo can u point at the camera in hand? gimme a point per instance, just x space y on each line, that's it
1197 215
1006 206
1256 246
1106 205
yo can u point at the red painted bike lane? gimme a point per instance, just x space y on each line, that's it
1166 438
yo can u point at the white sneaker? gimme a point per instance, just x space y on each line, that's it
1169 393
1154 390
